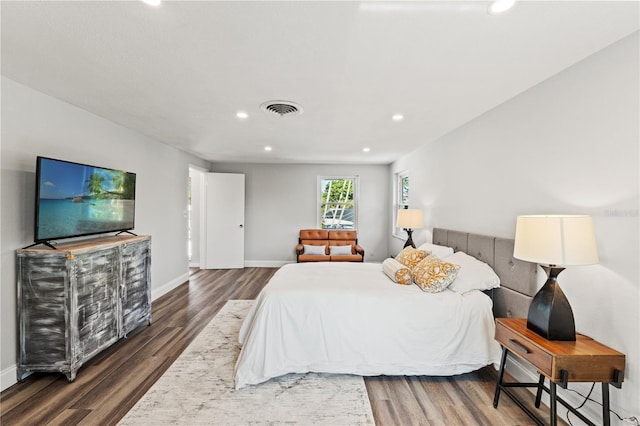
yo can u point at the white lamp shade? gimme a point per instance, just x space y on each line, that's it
410 219
562 240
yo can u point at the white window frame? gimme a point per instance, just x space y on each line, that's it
356 186
398 201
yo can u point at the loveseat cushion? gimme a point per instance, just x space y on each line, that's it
314 234
313 258
343 235
347 258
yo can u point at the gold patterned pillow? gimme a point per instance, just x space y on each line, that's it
410 257
396 271
434 275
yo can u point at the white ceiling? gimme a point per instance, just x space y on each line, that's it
180 72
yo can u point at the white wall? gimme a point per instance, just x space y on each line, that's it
282 199
36 124
568 145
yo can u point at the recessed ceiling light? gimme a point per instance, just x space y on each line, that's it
397 117
267 148
152 2
500 6
242 114
366 149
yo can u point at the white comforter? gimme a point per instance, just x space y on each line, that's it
351 318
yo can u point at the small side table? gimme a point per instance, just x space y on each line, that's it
584 360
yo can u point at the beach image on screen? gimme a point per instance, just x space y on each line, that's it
77 199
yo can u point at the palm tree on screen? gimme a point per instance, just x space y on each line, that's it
94 185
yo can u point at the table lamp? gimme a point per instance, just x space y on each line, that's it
554 241
410 219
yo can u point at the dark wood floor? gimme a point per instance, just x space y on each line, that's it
110 384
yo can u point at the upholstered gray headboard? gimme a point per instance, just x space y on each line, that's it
517 278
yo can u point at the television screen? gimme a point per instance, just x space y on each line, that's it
74 200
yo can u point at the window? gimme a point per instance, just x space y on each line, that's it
337 202
402 199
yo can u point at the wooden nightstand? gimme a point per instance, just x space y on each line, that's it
584 360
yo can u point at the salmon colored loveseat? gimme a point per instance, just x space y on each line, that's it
328 246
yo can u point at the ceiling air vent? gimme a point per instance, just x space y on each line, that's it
281 108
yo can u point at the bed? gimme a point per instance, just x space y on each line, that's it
350 318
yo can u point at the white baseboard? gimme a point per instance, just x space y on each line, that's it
158 292
8 377
194 264
266 263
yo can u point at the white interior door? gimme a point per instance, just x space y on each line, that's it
225 221
197 219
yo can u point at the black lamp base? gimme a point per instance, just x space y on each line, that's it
409 240
550 313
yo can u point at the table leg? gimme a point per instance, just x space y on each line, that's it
503 361
540 389
553 411
606 416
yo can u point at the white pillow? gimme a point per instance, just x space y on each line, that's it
436 250
315 250
338 250
473 275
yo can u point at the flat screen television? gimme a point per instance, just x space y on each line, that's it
74 200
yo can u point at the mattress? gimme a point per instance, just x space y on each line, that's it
351 318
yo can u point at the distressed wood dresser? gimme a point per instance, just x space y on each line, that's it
77 300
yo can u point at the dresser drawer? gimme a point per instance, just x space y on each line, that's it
525 349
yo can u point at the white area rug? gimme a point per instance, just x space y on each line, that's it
198 388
